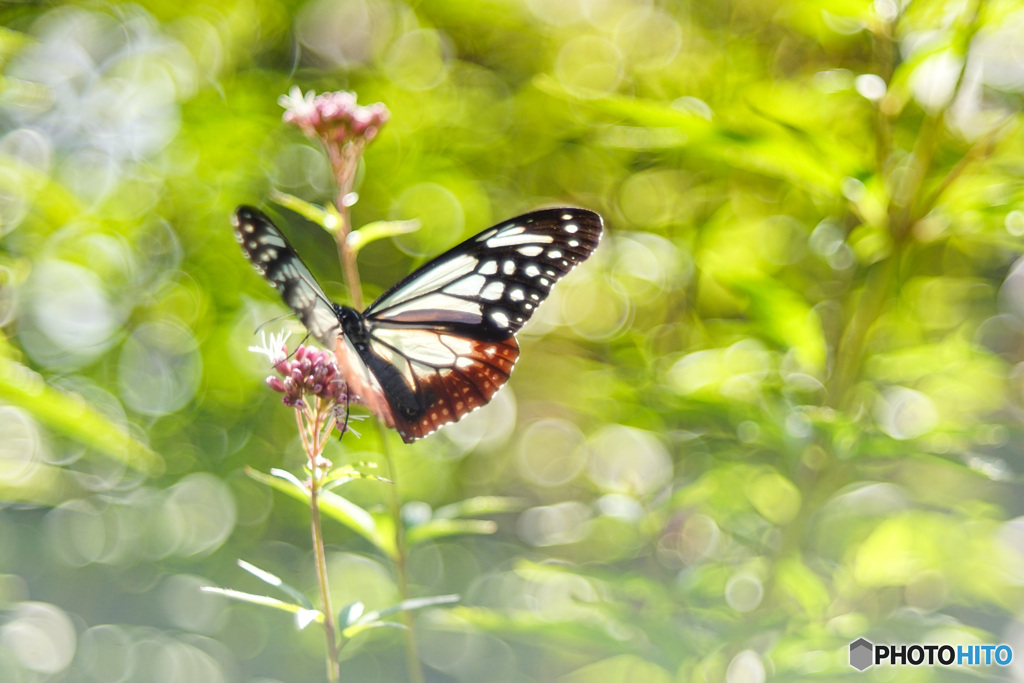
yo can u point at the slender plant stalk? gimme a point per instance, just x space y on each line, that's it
344 170
314 444
333 668
401 560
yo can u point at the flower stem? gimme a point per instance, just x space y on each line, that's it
314 442
344 162
333 668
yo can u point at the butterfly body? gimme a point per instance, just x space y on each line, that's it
441 342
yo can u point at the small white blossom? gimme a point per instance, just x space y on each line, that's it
275 348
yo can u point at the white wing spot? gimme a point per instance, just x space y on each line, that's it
544 281
531 251
516 294
252 245
550 272
554 253
501 320
535 297
271 253
571 227
574 243
248 227
508 267
566 216
271 238
493 290
528 307
532 270
469 286
489 268
510 240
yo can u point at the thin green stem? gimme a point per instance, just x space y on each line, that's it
401 559
333 668
313 441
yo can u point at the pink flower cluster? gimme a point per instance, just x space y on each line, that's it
308 371
333 117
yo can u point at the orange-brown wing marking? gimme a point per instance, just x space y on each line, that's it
447 394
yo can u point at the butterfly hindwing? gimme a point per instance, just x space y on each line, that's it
277 261
440 377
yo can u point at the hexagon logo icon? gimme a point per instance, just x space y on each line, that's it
861 651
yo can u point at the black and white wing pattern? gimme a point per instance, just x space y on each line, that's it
441 342
447 331
276 260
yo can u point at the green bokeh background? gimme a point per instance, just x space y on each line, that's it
780 408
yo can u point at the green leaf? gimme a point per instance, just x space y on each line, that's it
480 505
343 475
288 477
758 146
788 319
336 507
304 615
349 614
373 619
371 232
439 528
328 218
37 483
70 415
356 629
275 581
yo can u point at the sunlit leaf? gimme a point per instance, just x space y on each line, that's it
336 507
371 232
440 528
327 218
72 416
480 505
275 581
373 619
38 483
350 613
263 600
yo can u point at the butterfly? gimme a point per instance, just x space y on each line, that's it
441 342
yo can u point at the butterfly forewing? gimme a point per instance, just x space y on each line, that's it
489 286
277 261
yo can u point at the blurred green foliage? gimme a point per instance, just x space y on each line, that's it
779 410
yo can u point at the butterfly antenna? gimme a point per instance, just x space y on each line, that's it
260 327
303 341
